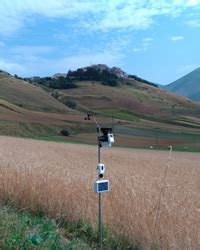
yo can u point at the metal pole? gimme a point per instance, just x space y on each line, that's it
100 225
100 198
100 201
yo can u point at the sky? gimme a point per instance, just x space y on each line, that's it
157 40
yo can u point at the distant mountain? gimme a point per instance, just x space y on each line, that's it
188 85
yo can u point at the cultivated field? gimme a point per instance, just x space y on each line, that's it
154 200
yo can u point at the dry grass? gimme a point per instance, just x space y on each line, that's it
29 96
142 98
58 178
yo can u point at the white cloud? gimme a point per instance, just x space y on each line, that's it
91 14
147 39
193 23
144 45
35 65
136 50
192 3
176 38
146 42
16 13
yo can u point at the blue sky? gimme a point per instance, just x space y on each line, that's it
155 39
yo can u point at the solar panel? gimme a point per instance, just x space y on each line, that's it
101 186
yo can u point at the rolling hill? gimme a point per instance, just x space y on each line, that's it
140 113
97 89
188 85
28 96
135 109
27 110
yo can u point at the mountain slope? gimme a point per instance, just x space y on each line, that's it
140 114
27 110
28 96
136 110
188 85
131 97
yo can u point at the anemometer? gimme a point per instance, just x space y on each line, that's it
105 138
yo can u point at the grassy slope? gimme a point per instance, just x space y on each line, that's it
138 106
27 96
27 110
131 105
132 102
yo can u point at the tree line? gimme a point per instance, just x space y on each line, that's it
92 74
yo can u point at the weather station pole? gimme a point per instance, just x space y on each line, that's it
100 201
105 138
100 198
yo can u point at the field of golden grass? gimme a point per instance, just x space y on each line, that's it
152 200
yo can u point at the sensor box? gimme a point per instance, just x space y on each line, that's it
101 186
107 138
101 168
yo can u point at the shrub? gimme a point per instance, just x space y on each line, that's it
110 82
64 132
69 103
